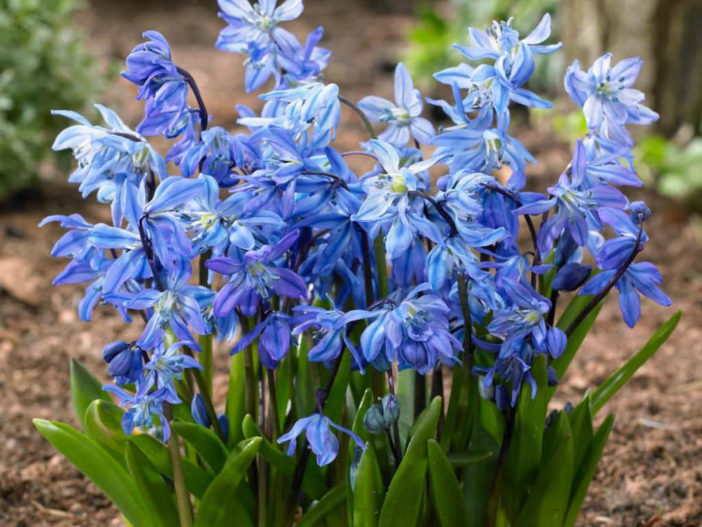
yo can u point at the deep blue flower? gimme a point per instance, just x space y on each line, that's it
125 361
142 407
255 276
322 442
161 85
402 116
641 278
274 341
415 332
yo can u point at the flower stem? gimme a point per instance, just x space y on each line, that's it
185 513
204 116
361 114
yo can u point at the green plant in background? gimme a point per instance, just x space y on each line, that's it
431 38
43 65
677 170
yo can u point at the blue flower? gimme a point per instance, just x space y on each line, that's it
165 366
142 407
402 116
112 161
177 307
576 207
390 200
257 23
306 63
161 84
330 331
323 443
641 278
415 332
254 276
608 101
274 341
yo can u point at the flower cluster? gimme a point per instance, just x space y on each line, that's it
302 258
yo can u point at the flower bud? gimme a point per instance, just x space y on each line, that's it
224 426
374 420
571 276
391 409
112 349
126 365
199 411
639 211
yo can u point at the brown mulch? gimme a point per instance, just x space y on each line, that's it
651 473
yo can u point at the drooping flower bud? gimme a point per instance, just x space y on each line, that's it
199 411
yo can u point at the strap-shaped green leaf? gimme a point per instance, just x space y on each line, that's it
368 492
404 498
581 424
205 442
196 479
446 491
326 505
586 470
611 386
219 505
103 422
524 454
469 457
548 501
93 460
85 388
151 486
478 477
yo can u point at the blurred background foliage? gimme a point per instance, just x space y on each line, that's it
44 64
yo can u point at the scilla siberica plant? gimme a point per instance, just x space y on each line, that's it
340 293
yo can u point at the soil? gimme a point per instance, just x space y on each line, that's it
651 472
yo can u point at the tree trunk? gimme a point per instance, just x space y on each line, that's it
666 34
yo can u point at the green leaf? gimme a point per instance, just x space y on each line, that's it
452 408
102 469
337 395
326 505
478 477
205 442
235 399
446 491
548 501
470 457
219 505
103 422
612 385
313 483
151 486
586 470
85 388
403 500
368 491
580 419
196 479
524 454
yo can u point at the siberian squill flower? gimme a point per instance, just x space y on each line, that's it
403 115
112 160
142 407
319 436
415 332
256 275
608 100
390 200
161 84
513 64
303 63
256 23
274 342
576 207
